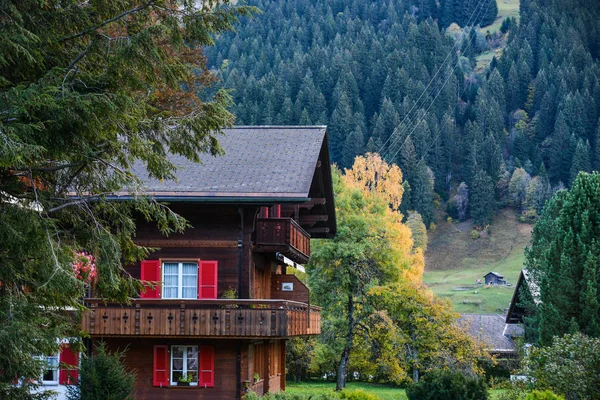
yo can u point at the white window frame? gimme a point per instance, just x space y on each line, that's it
179 278
185 347
44 369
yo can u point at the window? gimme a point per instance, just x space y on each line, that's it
50 371
184 362
197 362
180 280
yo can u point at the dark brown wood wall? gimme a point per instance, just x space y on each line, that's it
300 293
214 235
139 357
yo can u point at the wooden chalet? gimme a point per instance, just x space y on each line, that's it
494 278
253 212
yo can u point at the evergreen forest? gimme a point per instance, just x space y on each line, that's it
402 78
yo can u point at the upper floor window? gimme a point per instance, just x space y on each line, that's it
180 280
172 279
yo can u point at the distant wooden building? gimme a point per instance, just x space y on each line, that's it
494 278
253 212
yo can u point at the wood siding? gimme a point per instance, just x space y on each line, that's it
300 293
202 318
139 357
283 235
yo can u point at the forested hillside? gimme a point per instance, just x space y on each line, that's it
387 77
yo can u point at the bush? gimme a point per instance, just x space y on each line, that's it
545 395
443 384
357 395
570 366
103 377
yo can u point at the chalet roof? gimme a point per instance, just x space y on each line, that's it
259 162
491 330
516 312
262 165
495 273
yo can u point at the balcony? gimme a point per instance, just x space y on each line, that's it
282 235
202 318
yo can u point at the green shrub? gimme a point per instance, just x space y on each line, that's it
103 377
448 385
545 395
357 395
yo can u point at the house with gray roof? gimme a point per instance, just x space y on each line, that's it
221 301
492 331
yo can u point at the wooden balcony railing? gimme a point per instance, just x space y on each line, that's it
202 318
282 235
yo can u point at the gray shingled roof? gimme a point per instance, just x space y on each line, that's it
259 161
491 330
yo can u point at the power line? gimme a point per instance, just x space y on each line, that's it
436 96
433 78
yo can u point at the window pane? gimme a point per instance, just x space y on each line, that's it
171 268
176 375
190 269
177 364
178 351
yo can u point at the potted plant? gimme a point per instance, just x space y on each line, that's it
256 377
230 293
185 380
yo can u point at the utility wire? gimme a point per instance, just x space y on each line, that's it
434 99
432 79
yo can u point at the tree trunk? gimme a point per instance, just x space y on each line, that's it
343 367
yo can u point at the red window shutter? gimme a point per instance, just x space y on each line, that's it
69 364
150 271
207 366
161 366
207 279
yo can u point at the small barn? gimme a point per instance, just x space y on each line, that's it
494 278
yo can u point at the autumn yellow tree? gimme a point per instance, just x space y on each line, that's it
372 248
378 318
375 175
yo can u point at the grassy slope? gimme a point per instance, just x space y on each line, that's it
381 391
506 8
454 259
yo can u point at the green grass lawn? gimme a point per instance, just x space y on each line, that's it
506 8
382 391
455 260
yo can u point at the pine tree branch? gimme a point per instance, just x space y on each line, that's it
108 21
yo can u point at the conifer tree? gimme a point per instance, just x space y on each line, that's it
581 160
482 199
565 251
86 89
